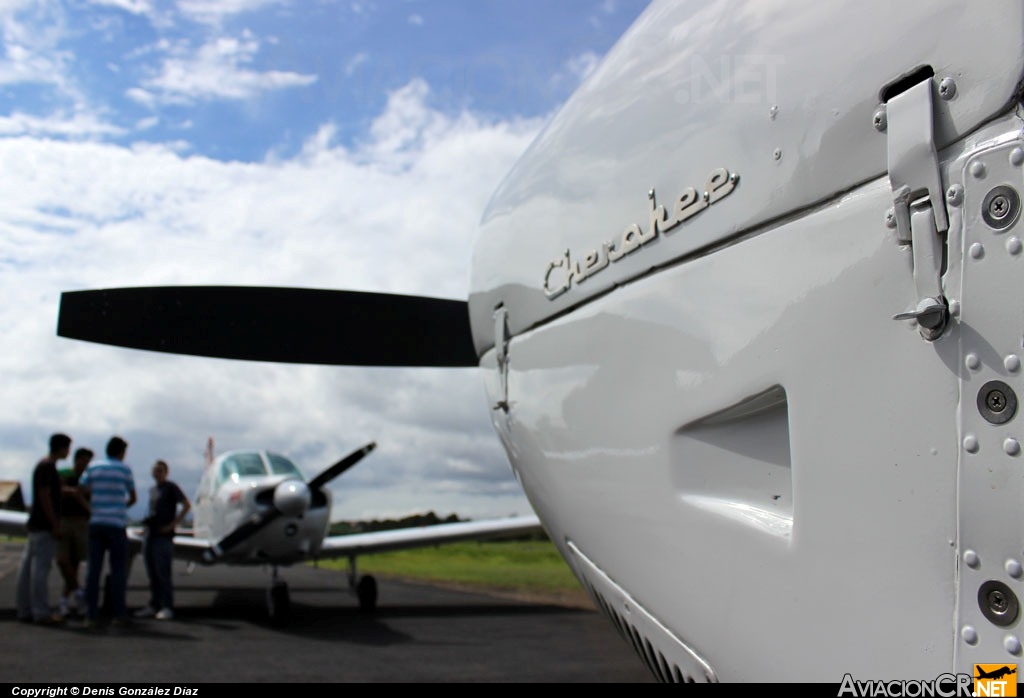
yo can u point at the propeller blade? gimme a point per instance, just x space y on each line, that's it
247 529
341 466
287 325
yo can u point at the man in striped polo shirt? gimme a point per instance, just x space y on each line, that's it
111 489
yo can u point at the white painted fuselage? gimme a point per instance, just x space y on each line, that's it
758 473
232 492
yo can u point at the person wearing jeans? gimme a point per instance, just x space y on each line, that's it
111 489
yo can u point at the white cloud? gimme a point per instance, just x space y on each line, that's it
416 20
31 34
581 66
215 11
217 70
77 125
135 7
356 61
396 214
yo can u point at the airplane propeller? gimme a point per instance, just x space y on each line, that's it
287 325
291 498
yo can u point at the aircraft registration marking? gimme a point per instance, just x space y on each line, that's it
689 203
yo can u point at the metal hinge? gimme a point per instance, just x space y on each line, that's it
501 354
919 205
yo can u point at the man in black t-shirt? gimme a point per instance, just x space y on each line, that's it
32 595
158 550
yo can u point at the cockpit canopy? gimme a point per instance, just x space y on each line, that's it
237 465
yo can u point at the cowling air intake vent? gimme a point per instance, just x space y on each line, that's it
667 657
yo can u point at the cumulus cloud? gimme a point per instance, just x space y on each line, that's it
219 69
396 213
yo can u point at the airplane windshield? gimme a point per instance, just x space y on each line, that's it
279 465
242 465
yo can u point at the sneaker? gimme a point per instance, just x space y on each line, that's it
147 612
165 614
78 595
64 607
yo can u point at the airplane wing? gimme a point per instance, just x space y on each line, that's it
186 547
422 536
12 523
192 549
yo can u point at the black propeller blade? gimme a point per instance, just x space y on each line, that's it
287 325
341 466
260 521
247 529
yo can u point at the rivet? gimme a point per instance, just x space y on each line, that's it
954 308
1013 568
1012 363
972 361
947 88
971 559
978 169
777 153
890 219
1011 644
977 250
954 195
1011 446
971 443
773 112
1013 245
1017 156
969 634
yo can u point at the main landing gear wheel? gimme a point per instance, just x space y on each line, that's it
367 592
278 603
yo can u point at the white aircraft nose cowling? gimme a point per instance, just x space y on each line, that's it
292 498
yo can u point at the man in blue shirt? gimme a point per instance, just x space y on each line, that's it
111 489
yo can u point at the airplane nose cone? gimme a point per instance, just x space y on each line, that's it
292 498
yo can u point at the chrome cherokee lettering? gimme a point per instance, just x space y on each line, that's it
563 271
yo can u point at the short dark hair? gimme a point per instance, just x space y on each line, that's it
116 447
83 453
58 442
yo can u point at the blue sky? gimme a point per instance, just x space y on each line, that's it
267 142
238 79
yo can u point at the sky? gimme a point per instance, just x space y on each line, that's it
349 144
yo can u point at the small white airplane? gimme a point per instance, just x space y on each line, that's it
255 508
748 314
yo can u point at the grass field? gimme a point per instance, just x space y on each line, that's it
529 568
